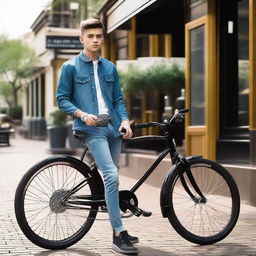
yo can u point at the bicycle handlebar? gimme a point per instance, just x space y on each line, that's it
146 125
180 113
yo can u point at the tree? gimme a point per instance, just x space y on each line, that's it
94 7
86 8
17 63
6 92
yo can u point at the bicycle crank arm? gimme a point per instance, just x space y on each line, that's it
137 211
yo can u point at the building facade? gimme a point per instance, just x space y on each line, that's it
217 39
55 39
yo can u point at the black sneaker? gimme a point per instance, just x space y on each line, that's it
133 239
122 244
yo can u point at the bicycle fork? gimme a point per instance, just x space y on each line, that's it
201 198
181 164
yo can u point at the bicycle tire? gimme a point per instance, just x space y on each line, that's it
203 222
43 220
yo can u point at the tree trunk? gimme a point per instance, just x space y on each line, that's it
15 95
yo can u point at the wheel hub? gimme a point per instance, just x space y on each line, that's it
56 204
199 200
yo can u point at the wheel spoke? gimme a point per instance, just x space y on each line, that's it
46 213
203 219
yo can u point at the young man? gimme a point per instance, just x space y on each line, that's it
89 87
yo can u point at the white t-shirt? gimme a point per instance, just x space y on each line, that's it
101 103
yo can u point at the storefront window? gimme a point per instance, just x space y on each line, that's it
234 66
121 38
142 45
243 63
197 76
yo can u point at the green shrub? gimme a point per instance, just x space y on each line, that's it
58 118
165 78
15 112
3 110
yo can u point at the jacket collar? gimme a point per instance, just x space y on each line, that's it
86 59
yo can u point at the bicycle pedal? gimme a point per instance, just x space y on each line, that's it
146 214
104 208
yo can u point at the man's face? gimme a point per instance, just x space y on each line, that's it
92 39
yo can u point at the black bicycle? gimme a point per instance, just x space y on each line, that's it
58 199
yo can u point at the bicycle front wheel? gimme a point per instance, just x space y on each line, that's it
203 221
42 208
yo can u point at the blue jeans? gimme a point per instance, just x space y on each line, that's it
105 149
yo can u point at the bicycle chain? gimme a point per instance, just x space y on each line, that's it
123 216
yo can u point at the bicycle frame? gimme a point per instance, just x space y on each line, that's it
177 160
51 194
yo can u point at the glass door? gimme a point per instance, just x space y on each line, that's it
234 83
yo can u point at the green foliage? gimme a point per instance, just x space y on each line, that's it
94 6
6 92
243 80
16 58
3 110
162 77
15 112
58 118
86 8
17 63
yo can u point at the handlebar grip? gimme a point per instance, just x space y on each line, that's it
145 125
123 131
183 111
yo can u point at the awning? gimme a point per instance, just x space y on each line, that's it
124 10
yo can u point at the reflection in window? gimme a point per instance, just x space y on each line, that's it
121 39
196 9
142 45
243 63
197 76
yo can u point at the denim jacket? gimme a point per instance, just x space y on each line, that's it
76 90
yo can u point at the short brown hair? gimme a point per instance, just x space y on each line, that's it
90 23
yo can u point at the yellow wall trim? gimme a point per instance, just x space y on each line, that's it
105 48
167 45
112 48
132 40
198 131
212 84
207 142
153 45
252 64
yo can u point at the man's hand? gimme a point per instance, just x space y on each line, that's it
91 120
125 125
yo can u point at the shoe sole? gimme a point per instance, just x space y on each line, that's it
117 249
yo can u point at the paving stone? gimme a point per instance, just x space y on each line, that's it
157 237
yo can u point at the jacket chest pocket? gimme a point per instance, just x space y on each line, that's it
82 84
81 80
109 81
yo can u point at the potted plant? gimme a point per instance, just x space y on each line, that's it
72 141
57 131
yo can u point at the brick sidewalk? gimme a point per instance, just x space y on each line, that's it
157 237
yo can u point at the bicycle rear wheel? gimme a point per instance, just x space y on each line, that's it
198 221
43 215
